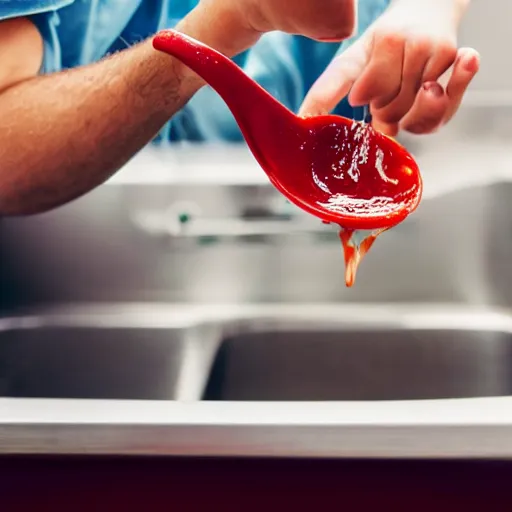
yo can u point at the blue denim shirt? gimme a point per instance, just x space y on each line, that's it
78 32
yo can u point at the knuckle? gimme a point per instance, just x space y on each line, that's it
428 123
421 46
392 40
385 99
447 50
391 115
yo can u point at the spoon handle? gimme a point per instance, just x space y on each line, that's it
252 106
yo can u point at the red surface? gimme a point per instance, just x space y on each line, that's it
339 170
75 485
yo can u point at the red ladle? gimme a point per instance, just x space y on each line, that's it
340 170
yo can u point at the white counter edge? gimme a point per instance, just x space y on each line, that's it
459 428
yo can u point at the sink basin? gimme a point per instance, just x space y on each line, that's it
76 359
313 380
362 364
256 353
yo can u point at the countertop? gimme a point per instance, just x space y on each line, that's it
462 428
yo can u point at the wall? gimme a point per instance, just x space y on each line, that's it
486 28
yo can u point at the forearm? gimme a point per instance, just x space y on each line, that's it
66 133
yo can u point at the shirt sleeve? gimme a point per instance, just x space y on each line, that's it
44 15
19 8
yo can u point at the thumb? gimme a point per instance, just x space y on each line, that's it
335 82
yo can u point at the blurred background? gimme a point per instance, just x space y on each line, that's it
203 224
201 228
487 29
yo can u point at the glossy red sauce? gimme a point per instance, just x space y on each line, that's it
364 178
354 252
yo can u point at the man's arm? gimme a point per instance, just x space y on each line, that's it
63 134
66 133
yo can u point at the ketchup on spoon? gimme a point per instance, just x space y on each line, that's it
342 171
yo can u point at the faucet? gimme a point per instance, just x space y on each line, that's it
184 219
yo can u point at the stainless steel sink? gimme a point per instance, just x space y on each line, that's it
455 249
77 361
372 364
315 380
184 308
256 353
111 352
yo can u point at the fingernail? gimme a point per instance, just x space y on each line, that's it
471 63
434 89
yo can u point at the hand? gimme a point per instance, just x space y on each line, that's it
232 26
325 20
395 67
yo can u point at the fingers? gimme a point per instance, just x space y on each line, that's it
434 107
423 63
399 82
335 82
428 111
371 70
416 56
465 68
380 81
443 57
390 129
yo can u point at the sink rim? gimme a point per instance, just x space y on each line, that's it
281 316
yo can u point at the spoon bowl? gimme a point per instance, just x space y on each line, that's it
344 172
340 170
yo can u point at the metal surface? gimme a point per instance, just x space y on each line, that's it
474 360
116 362
187 278
369 364
455 248
116 244
476 428
264 353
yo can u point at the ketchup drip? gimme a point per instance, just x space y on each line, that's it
354 250
339 170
